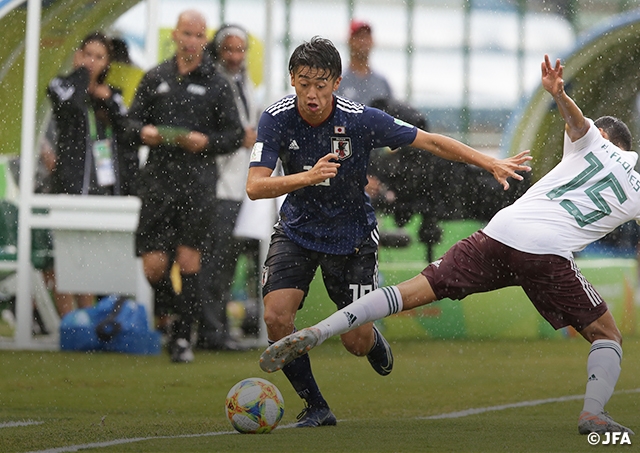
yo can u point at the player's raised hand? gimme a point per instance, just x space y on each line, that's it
507 168
552 76
325 168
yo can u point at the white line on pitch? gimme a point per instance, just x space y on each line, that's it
21 423
111 443
502 407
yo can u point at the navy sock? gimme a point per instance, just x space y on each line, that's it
299 373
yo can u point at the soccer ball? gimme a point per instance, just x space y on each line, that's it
254 406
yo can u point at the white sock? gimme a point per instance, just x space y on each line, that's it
603 370
376 305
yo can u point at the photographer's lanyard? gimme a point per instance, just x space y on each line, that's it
102 151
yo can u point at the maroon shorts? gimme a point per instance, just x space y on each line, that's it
554 284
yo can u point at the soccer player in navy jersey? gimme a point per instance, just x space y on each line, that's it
593 190
324 142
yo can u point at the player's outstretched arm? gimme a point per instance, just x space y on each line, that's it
451 149
260 183
576 123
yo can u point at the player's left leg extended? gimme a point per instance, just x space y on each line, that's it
375 305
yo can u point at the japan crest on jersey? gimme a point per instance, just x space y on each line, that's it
341 146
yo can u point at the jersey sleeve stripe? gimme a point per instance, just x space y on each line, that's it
282 105
349 106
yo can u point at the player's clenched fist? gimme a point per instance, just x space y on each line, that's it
325 168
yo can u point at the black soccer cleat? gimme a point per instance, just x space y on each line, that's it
314 416
380 357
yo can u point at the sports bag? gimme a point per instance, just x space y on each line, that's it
114 324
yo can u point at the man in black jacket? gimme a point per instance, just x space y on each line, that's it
186 114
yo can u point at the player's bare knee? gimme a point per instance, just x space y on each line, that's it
602 332
271 319
278 324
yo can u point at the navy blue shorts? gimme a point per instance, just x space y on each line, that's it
555 285
346 277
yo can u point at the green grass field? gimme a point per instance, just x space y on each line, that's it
518 393
125 403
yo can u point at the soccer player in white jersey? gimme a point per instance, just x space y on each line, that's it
324 142
530 244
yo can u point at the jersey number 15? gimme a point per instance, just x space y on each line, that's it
593 192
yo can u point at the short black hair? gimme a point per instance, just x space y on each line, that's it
98 36
618 132
318 53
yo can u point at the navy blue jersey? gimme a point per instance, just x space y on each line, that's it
336 215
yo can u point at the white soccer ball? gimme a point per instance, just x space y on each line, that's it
254 406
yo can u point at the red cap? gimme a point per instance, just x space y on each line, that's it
357 25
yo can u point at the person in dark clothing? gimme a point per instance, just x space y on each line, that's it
91 150
90 154
186 114
228 50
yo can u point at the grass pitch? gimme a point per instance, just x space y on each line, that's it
56 402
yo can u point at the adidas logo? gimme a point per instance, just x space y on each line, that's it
351 318
294 145
592 378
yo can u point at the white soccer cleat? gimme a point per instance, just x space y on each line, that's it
600 423
283 351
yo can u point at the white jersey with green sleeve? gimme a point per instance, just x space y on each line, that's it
592 191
